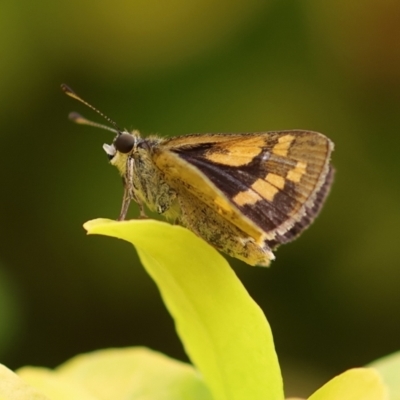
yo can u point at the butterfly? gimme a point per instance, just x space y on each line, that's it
244 193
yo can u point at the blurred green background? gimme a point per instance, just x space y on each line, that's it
332 297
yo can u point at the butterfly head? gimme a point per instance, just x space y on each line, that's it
124 142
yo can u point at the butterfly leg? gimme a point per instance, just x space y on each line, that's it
129 193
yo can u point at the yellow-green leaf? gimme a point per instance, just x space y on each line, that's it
354 384
225 333
389 369
12 387
54 386
134 373
113 374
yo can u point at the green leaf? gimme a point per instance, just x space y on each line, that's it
389 369
53 385
113 374
354 384
12 387
223 330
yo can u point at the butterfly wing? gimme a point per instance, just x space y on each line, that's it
270 185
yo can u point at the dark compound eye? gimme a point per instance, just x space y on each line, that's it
124 143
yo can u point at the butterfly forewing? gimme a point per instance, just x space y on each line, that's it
270 178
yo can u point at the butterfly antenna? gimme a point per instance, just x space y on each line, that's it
83 121
78 119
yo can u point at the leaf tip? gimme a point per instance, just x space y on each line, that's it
94 226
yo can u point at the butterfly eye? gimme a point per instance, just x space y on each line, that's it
124 143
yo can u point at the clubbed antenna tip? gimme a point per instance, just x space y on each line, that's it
81 120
